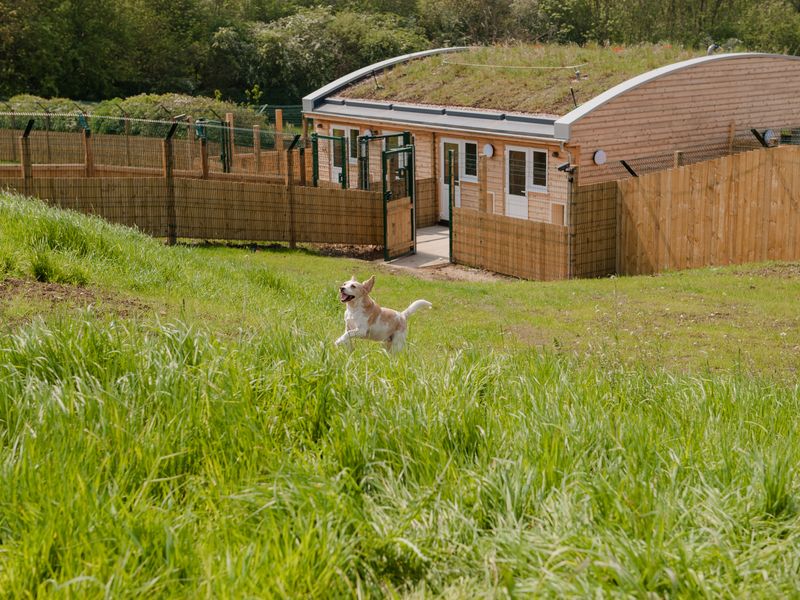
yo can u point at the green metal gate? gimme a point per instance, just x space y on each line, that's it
338 146
217 132
399 226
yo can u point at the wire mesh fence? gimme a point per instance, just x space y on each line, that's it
741 140
109 145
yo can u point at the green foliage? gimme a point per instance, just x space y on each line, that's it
304 51
98 49
166 106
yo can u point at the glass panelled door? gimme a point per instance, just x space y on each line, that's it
337 157
444 187
517 183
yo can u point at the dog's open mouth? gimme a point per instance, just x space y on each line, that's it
345 297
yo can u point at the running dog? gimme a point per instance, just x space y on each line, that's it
363 318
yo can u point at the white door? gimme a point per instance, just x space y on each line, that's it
444 187
337 163
517 183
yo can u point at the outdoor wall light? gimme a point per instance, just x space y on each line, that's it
600 157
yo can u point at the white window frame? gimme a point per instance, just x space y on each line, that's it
402 161
462 164
529 185
353 160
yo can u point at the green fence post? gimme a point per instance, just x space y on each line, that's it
314 160
451 196
345 162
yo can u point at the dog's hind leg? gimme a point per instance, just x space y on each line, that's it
396 342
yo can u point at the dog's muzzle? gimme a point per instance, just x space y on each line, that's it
344 297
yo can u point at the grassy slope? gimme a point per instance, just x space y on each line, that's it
216 444
438 80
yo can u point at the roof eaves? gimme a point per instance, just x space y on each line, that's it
439 117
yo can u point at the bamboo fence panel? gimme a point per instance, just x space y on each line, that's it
219 209
427 211
732 210
593 230
517 247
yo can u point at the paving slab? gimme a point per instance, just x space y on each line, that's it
433 249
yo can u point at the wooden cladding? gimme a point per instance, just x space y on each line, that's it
689 108
732 210
517 247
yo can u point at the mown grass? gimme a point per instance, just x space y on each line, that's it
454 80
218 445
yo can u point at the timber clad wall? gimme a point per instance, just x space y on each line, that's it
549 207
691 107
510 246
732 210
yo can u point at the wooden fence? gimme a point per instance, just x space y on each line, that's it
517 247
224 210
593 229
736 209
55 150
427 209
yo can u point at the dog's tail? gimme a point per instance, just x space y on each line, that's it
415 306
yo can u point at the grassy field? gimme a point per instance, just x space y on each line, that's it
176 422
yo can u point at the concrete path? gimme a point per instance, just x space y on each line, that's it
433 249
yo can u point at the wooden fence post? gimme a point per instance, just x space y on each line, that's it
678 161
257 148
232 138
25 165
190 137
204 158
302 152
172 226
483 188
289 180
127 142
88 155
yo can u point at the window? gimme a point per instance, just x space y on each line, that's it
471 159
337 147
539 168
350 134
527 171
517 161
353 144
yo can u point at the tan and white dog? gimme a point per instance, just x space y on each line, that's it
363 318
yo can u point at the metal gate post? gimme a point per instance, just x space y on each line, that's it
385 197
345 161
412 189
451 196
314 160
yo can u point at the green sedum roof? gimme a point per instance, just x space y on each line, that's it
501 77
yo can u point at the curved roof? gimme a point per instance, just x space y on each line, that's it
312 100
563 124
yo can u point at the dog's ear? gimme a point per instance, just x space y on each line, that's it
369 284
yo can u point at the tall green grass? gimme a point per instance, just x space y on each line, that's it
226 449
161 459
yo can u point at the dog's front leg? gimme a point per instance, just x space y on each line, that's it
349 335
